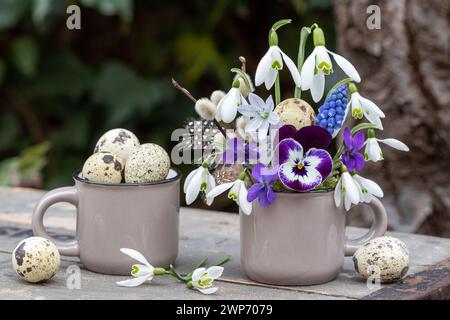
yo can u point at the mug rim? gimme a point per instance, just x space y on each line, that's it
75 176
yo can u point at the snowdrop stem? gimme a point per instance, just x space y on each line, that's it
222 261
190 97
277 89
249 175
304 33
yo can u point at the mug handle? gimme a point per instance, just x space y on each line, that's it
378 228
65 194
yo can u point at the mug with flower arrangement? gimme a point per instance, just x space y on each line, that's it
283 147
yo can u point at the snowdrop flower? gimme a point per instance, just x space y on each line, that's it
319 64
198 180
361 106
229 104
206 109
238 193
261 114
203 279
271 63
141 272
348 189
373 151
367 188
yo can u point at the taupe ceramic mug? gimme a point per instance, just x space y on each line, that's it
142 216
300 238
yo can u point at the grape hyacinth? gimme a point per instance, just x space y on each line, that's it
332 113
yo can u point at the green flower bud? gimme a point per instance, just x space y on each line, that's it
352 88
236 84
319 37
273 38
159 271
371 133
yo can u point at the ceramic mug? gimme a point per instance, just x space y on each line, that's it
141 216
300 238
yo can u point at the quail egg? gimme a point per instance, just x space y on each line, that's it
387 256
36 259
148 163
103 167
120 142
295 112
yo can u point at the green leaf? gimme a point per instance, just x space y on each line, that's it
24 54
11 11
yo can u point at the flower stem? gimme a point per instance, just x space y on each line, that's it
304 33
277 90
190 97
223 261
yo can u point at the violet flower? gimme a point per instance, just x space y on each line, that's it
262 189
237 151
352 159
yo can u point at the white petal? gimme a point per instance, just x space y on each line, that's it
253 124
373 151
134 282
244 204
189 178
351 189
370 105
197 274
193 188
270 78
229 106
143 270
211 185
346 66
136 255
263 68
371 186
256 101
209 290
338 193
307 72
219 189
394 143
347 202
274 118
293 69
318 86
215 272
322 56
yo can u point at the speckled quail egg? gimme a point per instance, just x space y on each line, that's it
120 142
103 167
148 163
36 259
387 256
295 112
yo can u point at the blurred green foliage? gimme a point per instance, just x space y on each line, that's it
64 88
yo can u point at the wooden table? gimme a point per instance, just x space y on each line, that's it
205 233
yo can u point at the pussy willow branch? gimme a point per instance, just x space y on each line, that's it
190 97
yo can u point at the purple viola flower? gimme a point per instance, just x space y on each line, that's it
301 171
352 159
262 189
238 151
309 136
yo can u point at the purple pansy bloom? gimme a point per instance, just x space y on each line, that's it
301 171
309 136
238 151
352 159
262 190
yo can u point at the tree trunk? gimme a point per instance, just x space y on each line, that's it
405 67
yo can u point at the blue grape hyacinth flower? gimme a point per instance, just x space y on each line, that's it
332 113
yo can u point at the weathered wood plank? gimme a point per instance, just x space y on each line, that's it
213 234
433 283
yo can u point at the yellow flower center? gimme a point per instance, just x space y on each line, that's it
300 166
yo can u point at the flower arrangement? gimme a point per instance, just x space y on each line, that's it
269 146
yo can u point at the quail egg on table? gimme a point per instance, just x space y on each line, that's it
148 163
387 256
295 112
36 259
120 142
104 167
